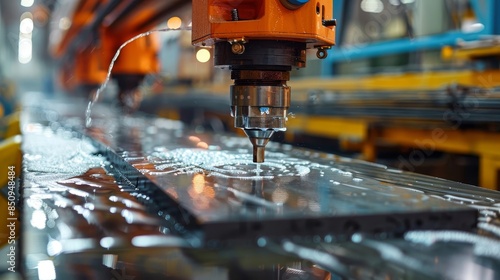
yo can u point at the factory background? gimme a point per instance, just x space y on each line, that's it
393 78
409 85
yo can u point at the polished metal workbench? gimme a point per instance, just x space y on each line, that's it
140 197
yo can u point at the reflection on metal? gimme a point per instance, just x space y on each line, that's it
92 210
221 196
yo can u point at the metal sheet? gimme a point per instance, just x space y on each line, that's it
88 224
210 187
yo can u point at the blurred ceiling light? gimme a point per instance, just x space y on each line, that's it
26 15
174 23
54 247
203 55
64 23
46 270
27 3
38 217
26 26
372 6
25 51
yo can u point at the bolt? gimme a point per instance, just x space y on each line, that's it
237 48
234 15
329 22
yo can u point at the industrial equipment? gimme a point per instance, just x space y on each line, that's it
261 41
141 197
395 76
85 36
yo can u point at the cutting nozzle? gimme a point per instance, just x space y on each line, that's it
259 104
260 97
259 139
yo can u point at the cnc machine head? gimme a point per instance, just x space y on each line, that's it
261 41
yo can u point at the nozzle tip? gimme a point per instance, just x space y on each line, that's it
258 154
259 139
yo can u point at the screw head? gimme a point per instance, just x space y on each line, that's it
237 48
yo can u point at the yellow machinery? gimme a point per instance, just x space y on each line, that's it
365 134
10 170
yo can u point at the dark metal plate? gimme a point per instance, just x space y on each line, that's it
207 186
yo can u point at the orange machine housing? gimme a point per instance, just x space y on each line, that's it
97 28
139 57
261 41
90 66
262 19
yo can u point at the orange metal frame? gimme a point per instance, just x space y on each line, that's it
90 64
262 19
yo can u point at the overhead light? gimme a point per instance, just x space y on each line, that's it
25 48
174 23
203 55
64 23
26 26
27 3
46 270
372 6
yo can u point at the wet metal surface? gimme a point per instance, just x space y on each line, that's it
84 217
81 223
295 193
291 194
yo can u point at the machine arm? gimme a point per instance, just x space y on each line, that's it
261 41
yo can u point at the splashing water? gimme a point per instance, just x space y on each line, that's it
95 97
222 164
